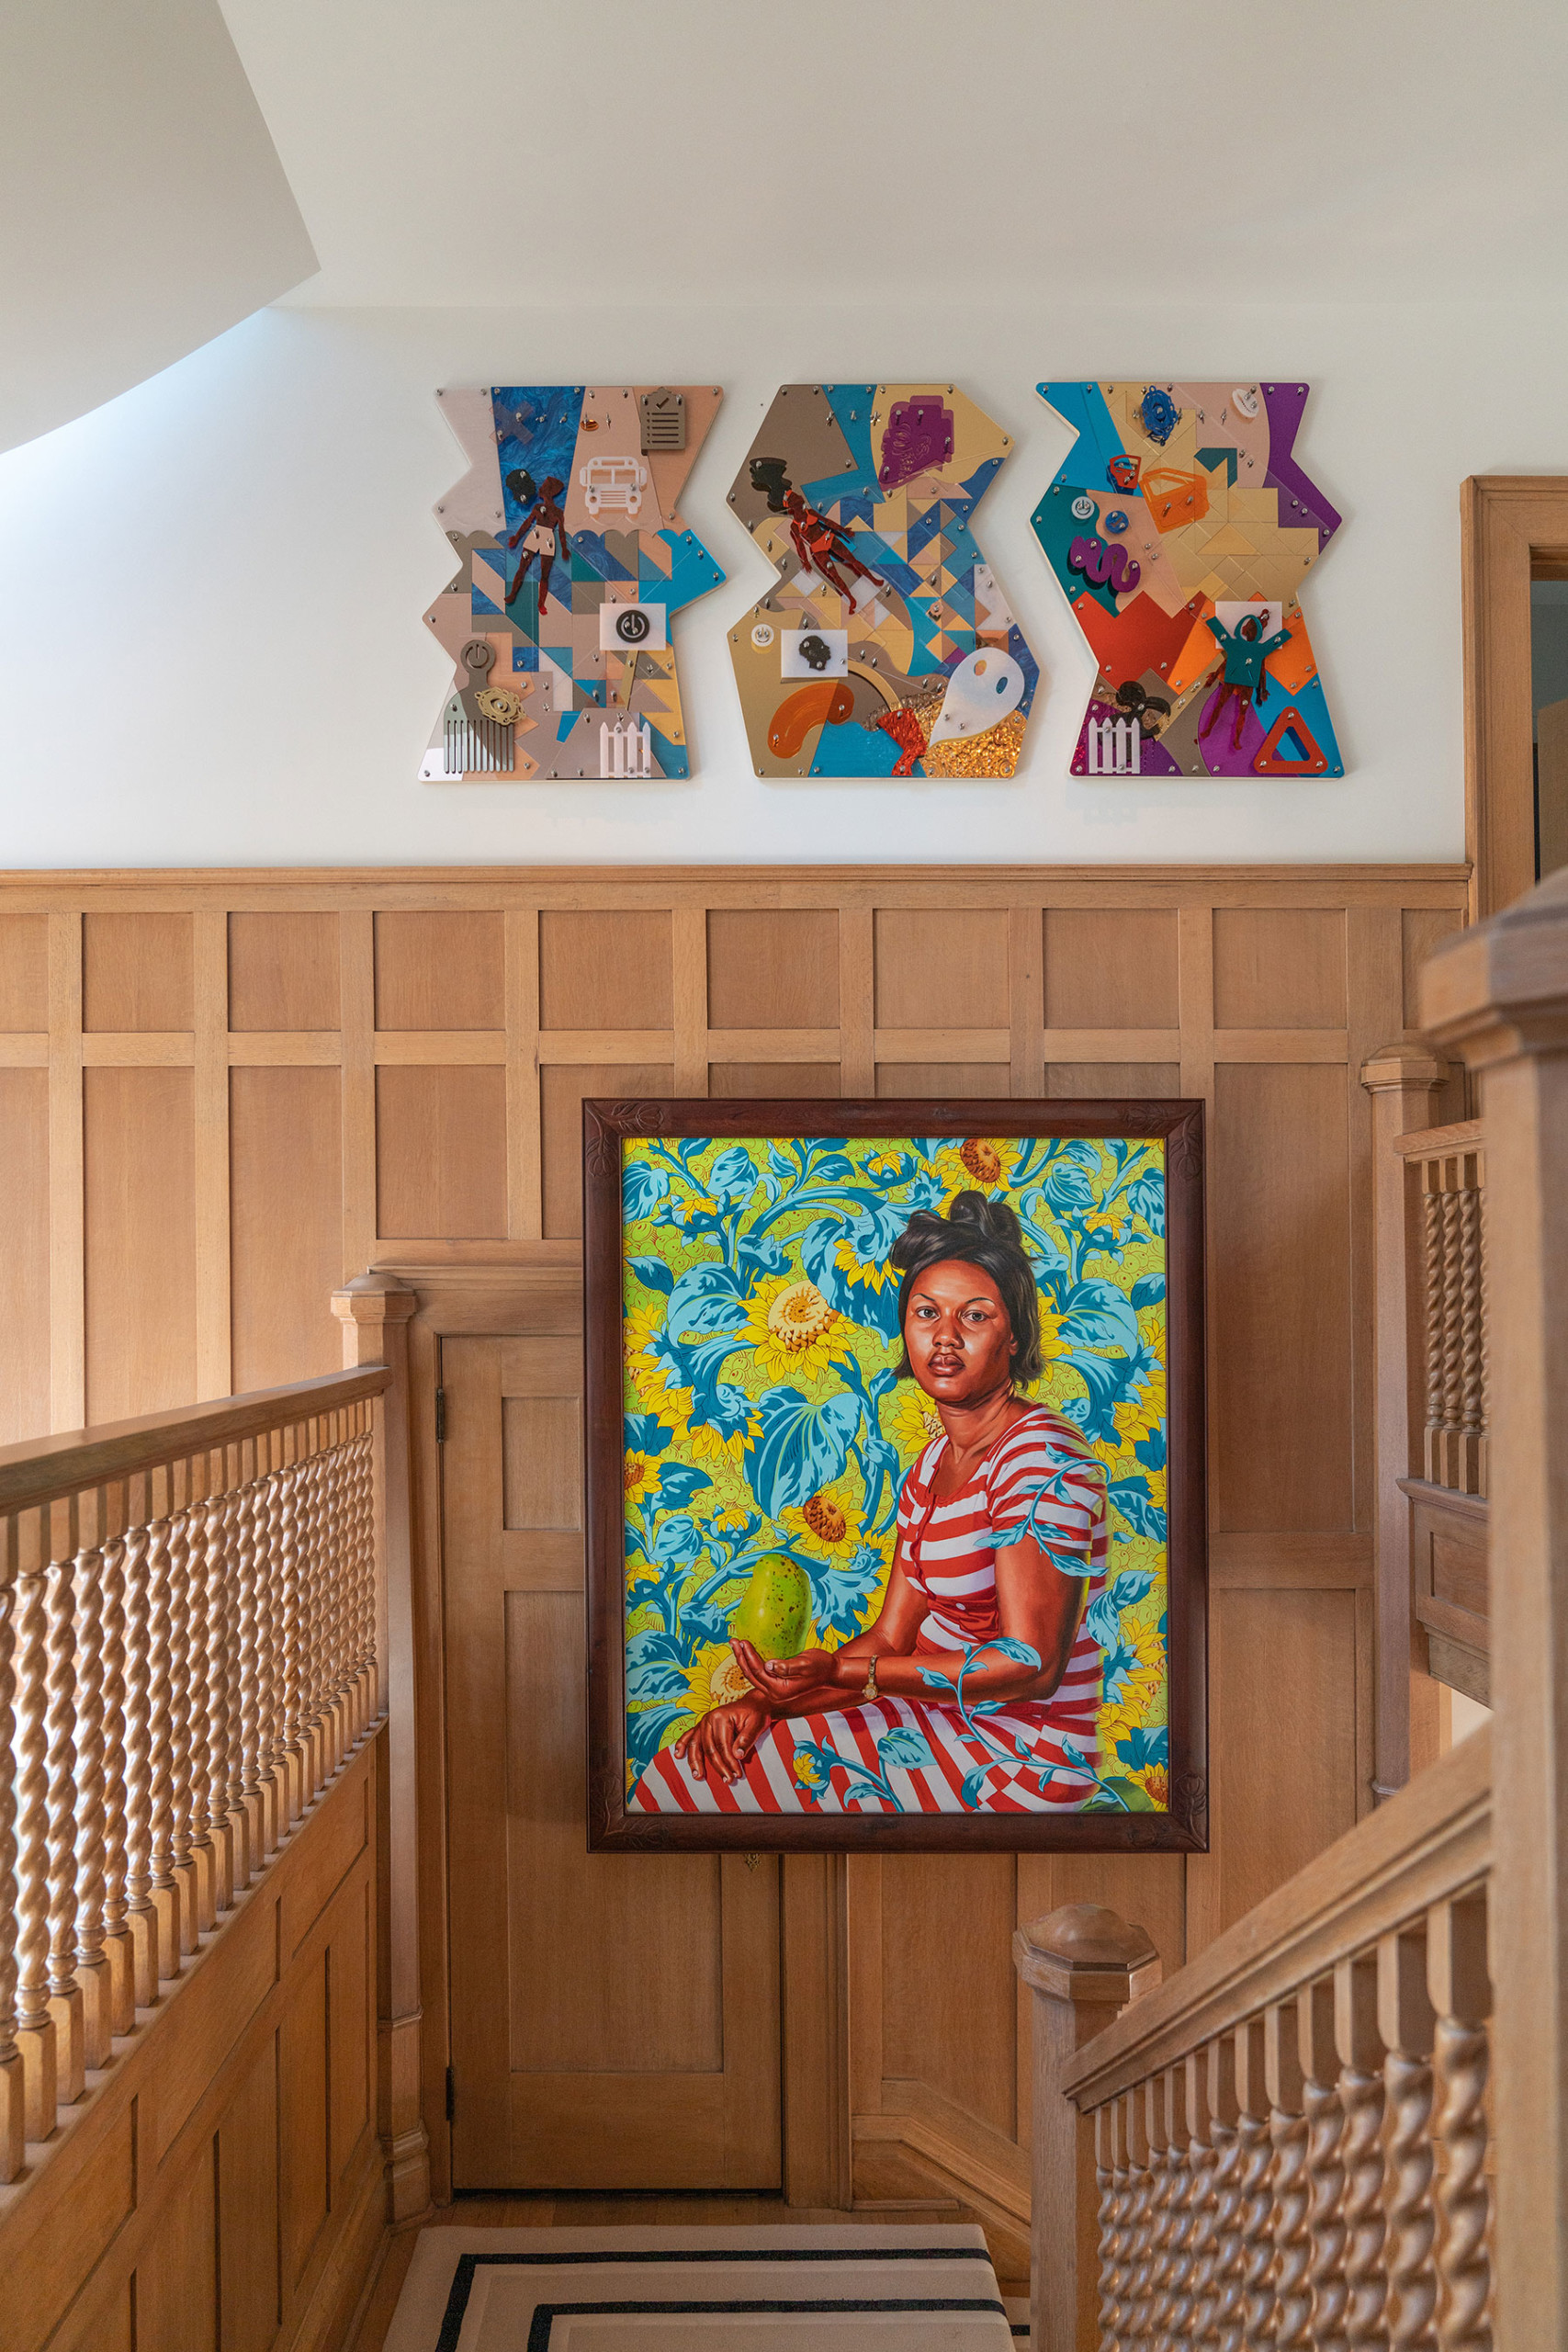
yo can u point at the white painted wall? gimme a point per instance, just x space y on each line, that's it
211 589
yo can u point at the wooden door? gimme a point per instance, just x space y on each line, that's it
614 2018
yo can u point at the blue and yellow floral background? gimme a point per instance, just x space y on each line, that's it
762 1413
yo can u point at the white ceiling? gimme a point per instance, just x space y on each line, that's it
495 152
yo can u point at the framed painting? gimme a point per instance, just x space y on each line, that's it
895 1464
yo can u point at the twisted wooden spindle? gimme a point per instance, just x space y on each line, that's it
1406 2022
1288 2133
34 2023
250 1585
1256 2204
269 1543
1162 2169
188 1649
212 1591
1105 2189
1432 1237
1225 2319
64 1995
1140 2222
1454 1292
235 1812
362 1475
146 1697
1460 1988
117 1932
335 1550
1202 2238
89 1961
1360 2048
13 2087
1326 2172
1182 2159
290 1547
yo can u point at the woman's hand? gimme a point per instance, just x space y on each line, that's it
720 1743
782 1680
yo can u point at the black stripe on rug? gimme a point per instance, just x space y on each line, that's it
547 2314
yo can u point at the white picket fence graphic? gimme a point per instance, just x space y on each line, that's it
1115 746
626 749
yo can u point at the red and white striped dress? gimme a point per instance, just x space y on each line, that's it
1042 1479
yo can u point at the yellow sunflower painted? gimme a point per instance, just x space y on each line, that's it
1134 1672
1155 1781
639 1476
910 1421
714 1679
980 1163
1137 1416
659 1392
826 1524
791 1328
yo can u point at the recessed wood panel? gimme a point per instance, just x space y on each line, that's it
947 1920
24 1254
283 971
176 2279
285 1224
1421 929
582 2002
941 967
604 970
302 2055
435 969
541 1461
250 2284
440 1153
1279 967
139 1156
773 967
138 972
1111 968
1133 1081
763 1079
562 1086
1280 1337
1278 1658
24 972
348 2088
974 1081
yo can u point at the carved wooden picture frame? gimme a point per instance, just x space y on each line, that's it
765 1440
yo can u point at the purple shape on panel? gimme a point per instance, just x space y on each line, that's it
1153 757
919 435
1216 749
1285 403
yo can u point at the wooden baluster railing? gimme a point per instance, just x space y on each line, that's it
1230 2254
60 1699
1406 2023
211 1581
174 1872
1140 2222
1105 2196
1460 1991
1162 2175
1202 2233
1326 2168
13 2090
1291 2196
274 1753
146 1718
1362 2098
1256 2199
290 1548
35 2024
193 1799
337 1571
117 1950
236 1820
251 1580
90 1966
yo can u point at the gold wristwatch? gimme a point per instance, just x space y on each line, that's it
871 1690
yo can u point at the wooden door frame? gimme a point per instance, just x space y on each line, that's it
1509 522
500 1301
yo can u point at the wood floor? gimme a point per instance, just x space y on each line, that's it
589 2212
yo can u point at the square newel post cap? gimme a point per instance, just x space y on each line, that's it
1403 1068
1085 1953
375 1298
1500 991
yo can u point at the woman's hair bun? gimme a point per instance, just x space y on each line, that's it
993 1218
913 1245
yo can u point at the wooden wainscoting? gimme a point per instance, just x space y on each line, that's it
221 2186
221 1094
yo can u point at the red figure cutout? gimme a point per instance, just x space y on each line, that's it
820 544
542 533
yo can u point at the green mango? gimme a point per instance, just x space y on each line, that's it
774 1613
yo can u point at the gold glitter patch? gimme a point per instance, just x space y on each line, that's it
995 753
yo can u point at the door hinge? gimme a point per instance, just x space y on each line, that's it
451 2097
441 1417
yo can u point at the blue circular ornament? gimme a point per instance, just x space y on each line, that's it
1115 522
1158 415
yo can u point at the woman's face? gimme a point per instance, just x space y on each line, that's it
958 1333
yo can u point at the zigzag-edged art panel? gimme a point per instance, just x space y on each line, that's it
884 646
1180 527
572 561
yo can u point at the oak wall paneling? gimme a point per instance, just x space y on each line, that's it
312 1073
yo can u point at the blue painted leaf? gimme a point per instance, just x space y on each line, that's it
1148 1289
1131 1586
1005 1647
1150 1450
1147 1196
706 1302
1101 1315
676 1541
838 1593
800 1447
1144 1744
1102 1618
1068 1189
973 1784
680 1483
646 1727
646 1433
643 1186
733 1176
1130 1498
904 1748
653 1274
934 1678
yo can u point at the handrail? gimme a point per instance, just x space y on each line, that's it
1441 1143
42 1470
1430 1844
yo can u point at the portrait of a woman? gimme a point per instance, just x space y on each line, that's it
976 1686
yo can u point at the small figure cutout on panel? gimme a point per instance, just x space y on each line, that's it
572 562
861 497
1180 526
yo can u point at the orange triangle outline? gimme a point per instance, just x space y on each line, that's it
1265 762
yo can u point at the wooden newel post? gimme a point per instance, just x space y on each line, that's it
1499 995
1401 1080
1083 1965
375 1311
